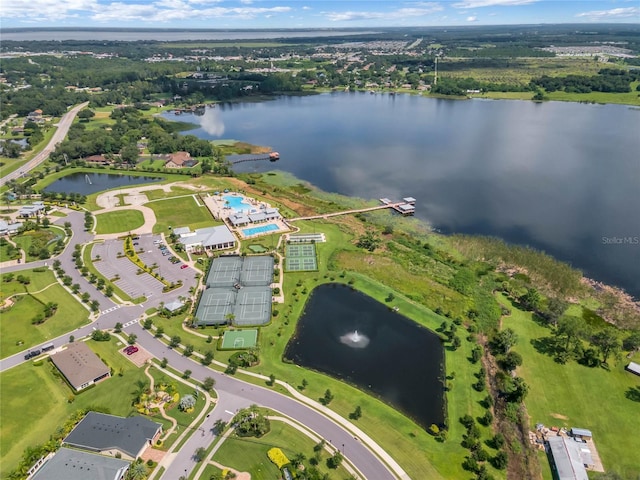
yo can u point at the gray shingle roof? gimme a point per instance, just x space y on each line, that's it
100 432
69 464
79 364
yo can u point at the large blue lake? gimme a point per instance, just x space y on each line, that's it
562 177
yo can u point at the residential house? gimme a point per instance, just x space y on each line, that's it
112 435
80 366
70 464
179 160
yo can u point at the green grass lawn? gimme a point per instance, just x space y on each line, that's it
250 454
119 221
180 212
16 331
8 252
31 423
573 395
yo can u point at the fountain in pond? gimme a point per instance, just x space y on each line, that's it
355 339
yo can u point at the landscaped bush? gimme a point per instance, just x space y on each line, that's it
278 457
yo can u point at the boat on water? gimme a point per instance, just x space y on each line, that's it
273 156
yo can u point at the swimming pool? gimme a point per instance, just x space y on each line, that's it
237 204
261 229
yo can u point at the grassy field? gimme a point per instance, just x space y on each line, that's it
250 454
30 423
16 331
180 212
573 395
630 98
42 236
119 221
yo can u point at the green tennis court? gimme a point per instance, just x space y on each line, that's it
301 258
239 339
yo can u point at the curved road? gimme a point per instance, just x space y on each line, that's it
63 127
233 394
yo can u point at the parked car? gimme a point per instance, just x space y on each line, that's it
136 237
136 243
183 266
132 350
31 354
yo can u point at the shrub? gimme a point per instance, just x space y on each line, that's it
278 457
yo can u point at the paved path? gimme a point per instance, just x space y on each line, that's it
63 127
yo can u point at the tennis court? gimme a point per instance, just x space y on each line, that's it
301 258
239 339
253 306
257 271
215 305
224 272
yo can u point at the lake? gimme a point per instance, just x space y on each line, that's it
350 336
561 177
86 184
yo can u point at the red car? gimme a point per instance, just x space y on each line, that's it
130 350
183 266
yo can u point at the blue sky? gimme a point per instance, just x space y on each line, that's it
309 14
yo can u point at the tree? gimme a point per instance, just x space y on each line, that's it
369 241
187 402
175 341
118 327
272 380
137 471
511 360
132 339
186 374
356 414
304 384
517 390
208 358
335 460
607 343
164 362
328 397
159 332
632 342
500 461
188 350
531 300
208 384
569 330
129 153
200 454
503 341
251 422
108 292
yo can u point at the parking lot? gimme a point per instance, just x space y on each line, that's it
112 263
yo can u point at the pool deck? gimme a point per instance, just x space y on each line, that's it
220 211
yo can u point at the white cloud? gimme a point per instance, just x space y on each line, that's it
491 3
46 9
167 10
472 19
306 8
246 2
627 12
421 10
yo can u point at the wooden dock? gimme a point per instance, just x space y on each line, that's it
272 157
406 207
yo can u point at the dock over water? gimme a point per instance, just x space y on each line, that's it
405 207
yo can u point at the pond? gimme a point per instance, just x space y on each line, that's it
88 183
351 336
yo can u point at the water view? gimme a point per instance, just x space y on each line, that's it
350 336
562 177
88 183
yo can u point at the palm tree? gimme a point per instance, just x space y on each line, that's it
137 471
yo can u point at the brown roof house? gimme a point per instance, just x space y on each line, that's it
180 160
112 435
80 366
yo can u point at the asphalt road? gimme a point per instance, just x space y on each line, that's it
233 394
63 127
